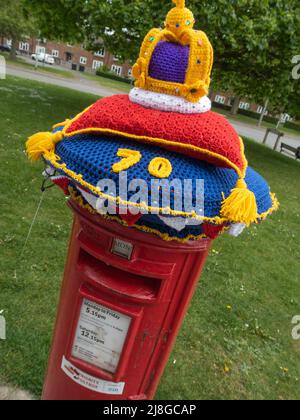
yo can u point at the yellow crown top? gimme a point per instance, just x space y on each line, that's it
179 26
179 3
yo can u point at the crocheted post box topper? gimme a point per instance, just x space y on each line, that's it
166 118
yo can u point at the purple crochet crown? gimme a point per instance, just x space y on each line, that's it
169 62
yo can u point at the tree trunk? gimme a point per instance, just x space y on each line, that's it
13 50
279 122
235 106
263 113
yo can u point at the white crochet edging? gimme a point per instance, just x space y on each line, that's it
168 103
236 229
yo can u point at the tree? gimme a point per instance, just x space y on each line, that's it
265 70
254 40
15 22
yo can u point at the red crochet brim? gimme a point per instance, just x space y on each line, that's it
207 136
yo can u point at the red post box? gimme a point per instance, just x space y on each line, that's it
124 296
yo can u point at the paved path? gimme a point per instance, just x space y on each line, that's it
78 83
88 86
13 394
258 133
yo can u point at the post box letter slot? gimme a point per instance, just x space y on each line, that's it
116 280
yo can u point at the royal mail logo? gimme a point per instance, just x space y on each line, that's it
73 372
90 382
2 326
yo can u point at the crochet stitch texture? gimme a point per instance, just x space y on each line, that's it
206 136
168 103
169 62
163 130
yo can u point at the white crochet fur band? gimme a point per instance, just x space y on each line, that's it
169 103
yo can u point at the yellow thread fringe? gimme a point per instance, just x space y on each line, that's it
42 143
61 124
155 140
217 220
240 206
164 236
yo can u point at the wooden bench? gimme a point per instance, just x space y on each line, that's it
279 134
290 150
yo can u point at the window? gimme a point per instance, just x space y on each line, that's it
130 73
23 46
40 50
97 64
220 99
100 53
55 53
285 118
244 105
260 110
83 61
116 69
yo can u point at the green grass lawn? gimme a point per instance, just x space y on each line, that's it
240 318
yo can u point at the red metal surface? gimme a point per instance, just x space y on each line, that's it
154 288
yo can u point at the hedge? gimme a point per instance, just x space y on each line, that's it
113 76
292 125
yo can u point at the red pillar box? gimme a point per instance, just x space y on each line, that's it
124 296
126 292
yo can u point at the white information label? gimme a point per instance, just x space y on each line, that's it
90 382
100 335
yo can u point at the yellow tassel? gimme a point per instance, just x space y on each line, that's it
41 143
240 206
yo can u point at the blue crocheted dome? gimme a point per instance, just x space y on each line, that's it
93 157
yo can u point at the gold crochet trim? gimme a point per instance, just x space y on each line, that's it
164 236
217 220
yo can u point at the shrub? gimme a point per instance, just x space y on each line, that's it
110 75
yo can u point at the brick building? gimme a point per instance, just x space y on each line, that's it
223 98
75 56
